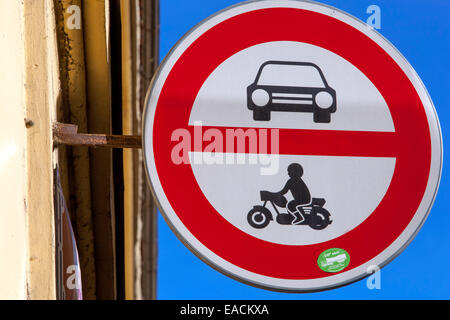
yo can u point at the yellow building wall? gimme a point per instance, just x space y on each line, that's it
12 153
29 91
42 96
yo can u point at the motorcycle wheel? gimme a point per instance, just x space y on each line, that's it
321 219
259 217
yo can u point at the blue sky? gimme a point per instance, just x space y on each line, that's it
420 30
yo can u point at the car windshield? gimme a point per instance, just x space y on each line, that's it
290 75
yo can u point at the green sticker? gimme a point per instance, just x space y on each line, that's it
333 260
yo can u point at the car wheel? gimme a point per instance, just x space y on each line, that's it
261 115
322 116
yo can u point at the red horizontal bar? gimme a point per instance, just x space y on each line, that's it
298 141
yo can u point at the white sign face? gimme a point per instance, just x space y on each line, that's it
284 158
331 178
361 106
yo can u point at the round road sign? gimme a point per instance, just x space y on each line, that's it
290 146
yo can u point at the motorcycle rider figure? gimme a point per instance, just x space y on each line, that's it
299 191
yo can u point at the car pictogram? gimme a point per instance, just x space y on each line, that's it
291 87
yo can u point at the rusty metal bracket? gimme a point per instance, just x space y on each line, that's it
67 134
